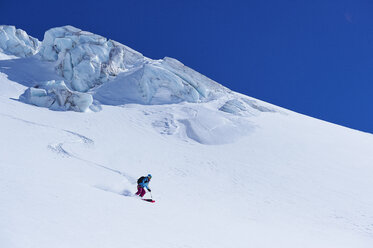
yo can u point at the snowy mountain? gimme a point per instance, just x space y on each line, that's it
228 170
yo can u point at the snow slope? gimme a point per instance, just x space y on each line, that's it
229 171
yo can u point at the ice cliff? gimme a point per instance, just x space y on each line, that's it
86 60
244 107
17 42
56 96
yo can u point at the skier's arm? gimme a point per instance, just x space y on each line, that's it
147 187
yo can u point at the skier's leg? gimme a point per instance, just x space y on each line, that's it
138 190
142 192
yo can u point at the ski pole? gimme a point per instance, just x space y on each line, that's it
151 195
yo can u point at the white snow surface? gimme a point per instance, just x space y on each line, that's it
17 42
228 170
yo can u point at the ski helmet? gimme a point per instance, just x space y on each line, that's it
150 176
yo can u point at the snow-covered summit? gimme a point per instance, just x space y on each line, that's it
116 74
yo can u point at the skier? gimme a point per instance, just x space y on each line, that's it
142 183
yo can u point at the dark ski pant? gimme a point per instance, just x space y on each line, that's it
140 191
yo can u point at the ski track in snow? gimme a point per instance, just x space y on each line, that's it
83 138
59 147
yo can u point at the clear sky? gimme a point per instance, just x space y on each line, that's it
313 57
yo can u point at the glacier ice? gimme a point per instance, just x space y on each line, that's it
112 74
56 96
159 82
244 107
149 84
233 106
17 42
255 105
86 60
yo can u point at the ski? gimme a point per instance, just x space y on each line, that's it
148 200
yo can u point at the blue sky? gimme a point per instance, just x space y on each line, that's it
313 57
